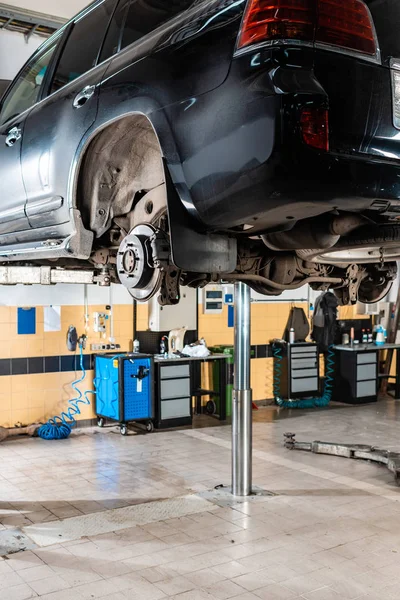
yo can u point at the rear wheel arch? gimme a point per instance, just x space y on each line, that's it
123 158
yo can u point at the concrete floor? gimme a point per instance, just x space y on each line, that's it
330 530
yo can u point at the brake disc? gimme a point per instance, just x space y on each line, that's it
135 265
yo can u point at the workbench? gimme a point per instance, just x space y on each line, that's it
177 381
357 373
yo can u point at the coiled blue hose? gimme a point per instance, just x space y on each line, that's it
320 402
60 427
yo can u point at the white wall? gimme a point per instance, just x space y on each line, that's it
57 8
63 295
14 50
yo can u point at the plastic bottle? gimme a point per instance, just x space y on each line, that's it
136 346
292 336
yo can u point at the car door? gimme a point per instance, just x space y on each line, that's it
56 127
14 110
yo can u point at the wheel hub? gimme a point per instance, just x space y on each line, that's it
135 265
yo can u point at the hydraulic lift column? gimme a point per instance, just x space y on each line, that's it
242 397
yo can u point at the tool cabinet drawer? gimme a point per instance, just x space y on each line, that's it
366 372
175 409
175 371
366 358
302 373
174 388
304 363
303 350
304 385
366 388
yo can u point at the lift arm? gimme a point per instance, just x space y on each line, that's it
13 275
356 451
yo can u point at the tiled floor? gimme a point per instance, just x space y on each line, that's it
330 531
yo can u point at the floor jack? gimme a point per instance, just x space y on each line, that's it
357 451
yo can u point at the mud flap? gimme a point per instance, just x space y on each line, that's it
193 250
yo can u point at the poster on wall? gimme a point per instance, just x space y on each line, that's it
26 321
52 318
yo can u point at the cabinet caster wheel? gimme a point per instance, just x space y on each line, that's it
100 422
124 430
150 427
211 407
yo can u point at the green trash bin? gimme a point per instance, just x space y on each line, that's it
229 352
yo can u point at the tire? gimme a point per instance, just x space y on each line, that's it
374 237
124 430
150 427
211 408
100 422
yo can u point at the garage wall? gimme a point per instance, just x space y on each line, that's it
36 371
58 8
268 322
14 50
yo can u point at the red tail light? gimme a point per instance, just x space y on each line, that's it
346 24
314 123
277 20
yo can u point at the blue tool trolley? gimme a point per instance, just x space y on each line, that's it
124 390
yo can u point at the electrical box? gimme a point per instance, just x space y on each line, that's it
213 299
167 318
100 322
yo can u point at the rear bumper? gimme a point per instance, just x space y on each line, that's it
244 160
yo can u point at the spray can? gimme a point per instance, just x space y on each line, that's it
292 336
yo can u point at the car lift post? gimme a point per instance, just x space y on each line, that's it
242 396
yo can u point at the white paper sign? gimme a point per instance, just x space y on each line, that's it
52 318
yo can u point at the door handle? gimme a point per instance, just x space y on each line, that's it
84 96
13 136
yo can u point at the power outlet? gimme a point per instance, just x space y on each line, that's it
104 347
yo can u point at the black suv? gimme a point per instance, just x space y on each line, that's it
178 142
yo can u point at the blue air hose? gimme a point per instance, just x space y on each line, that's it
60 427
320 402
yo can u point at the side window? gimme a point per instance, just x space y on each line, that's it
83 44
112 42
25 91
146 15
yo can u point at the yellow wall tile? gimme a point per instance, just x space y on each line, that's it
5 418
40 396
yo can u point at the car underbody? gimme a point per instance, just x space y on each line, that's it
145 239
331 252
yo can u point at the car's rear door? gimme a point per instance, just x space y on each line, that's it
14 110
55 127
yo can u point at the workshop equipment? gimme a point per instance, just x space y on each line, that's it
213 406
14 431
124 390
60 426
355 451
296 375
356 377
176 340
174 393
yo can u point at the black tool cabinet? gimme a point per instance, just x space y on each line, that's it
299 370
356 374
